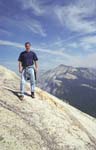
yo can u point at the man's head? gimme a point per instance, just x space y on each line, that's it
27 46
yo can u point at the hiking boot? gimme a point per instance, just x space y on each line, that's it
32 95
21 97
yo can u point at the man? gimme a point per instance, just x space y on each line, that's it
27 66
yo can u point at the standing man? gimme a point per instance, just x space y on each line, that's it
27 67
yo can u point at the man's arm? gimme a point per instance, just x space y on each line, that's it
36 66
20 67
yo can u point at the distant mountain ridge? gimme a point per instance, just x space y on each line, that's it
75 84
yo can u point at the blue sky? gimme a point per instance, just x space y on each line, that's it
61 32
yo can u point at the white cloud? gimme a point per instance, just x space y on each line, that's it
51 52
88 43
73 45
26 23
34 5
58 43
2 31
9 43
77 17
89 40
69 59
19 45
35 27
89 60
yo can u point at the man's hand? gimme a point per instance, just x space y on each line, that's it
36 69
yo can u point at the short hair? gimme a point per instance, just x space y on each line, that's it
27 43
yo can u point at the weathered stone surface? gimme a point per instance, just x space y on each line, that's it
43 123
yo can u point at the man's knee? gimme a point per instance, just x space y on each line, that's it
22 81
32 75
32 82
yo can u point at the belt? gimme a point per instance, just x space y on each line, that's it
28 67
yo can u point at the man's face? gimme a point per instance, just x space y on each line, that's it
27 46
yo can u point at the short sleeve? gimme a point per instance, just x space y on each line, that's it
20 58
35 58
